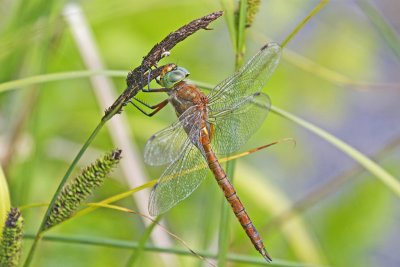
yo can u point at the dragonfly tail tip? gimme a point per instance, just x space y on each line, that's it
266 256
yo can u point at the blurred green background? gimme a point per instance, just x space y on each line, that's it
340 72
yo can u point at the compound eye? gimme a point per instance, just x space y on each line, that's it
175 76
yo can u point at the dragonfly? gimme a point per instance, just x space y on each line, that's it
208 126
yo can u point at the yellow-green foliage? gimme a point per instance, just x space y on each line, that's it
4 198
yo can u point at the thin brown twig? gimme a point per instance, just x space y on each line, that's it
135 78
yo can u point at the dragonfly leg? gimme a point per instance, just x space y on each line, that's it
156 90
142 72
156 107
148 79
148 89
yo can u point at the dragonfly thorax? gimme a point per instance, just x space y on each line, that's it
185 95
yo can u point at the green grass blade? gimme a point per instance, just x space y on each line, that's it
330 75
113 199
306 19
223 237
6 86
224 226
241 34
238 43
82 240
135 256
4 200
229 13
390 181
382 26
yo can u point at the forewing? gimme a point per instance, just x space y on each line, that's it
250 79
166 145
178 181
233 127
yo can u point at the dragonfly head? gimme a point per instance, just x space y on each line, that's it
172 74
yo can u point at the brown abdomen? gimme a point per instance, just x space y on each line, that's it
234 201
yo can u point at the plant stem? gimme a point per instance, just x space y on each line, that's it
58 77
142 243
223 238
241 34
229 11
177 251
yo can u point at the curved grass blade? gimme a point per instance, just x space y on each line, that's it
6 86
123 244
390 181
153 182
136 255
306 19
4 198
382 26
229 10
330 75
115 198
147 185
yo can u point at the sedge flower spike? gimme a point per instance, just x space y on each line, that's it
75 192
11 242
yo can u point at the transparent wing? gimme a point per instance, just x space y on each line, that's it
248 80
234 126
178 181
166 145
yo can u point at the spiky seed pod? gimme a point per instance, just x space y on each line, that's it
252 9
11 243
81 187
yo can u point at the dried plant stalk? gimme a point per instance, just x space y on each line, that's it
135 78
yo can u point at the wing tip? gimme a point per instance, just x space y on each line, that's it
151 207
261 95
272 46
